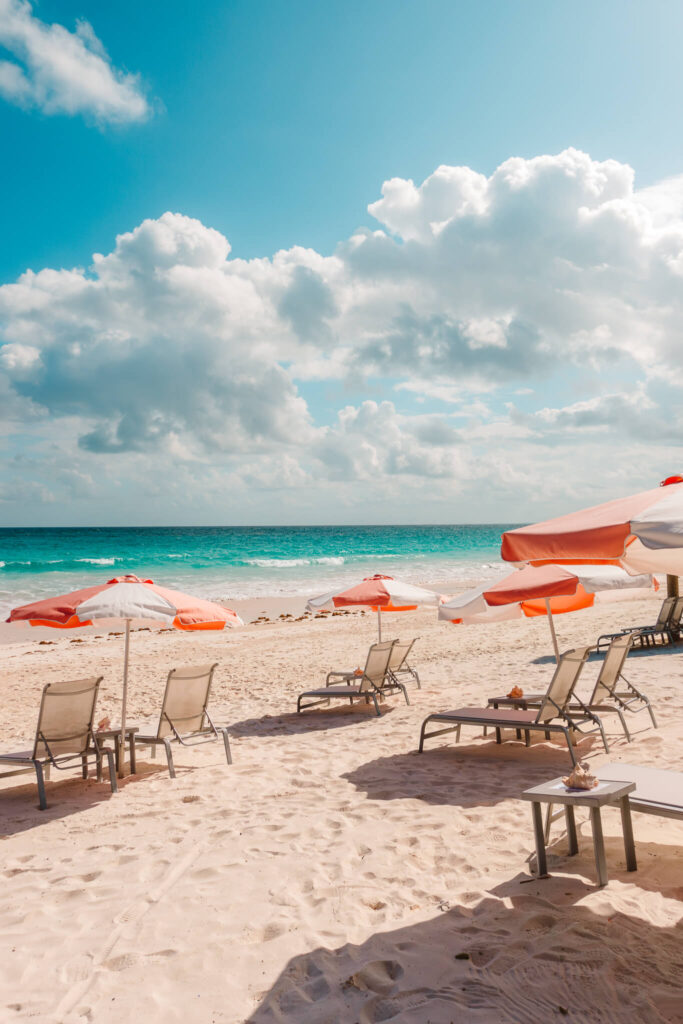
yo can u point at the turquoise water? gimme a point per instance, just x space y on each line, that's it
236 562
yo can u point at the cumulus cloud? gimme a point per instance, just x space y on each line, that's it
488 324
63 72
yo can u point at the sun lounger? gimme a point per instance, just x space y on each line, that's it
399 669
658 791
554 706
184 714
64 734
374 682
667 627
612 691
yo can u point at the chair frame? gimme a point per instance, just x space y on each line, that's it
513 720
207 733
43 764
367 689
622 700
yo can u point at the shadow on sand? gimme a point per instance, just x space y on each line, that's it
309 721
533 955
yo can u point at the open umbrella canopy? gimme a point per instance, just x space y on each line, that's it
126 597
643 533
544 590
526 591
381 593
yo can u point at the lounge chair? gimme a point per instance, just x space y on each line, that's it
64 734
184 714
398 663
647 635
554 705
375 681
658 791
610 686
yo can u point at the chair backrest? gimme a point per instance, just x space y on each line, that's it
376 665
185 700
65 720
609 673
665 612
676 613
562 684
399 654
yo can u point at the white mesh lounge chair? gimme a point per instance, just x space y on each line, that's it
184 714
399 669
554 706
658 791
666 628
64 734
374 682
612 691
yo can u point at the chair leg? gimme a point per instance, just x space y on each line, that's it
112 772
169 758
374 698
652 714
417 680
422 736
42 801
405 693
84 766
602 733
527 738
624 726
570 746
226 741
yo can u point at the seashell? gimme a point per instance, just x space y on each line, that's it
580 778
516 691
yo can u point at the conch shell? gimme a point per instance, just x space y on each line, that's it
580 778
103 724
516 691
358 671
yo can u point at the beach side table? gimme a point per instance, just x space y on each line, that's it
605 793
119 754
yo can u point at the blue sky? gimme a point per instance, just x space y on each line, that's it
278 120
275 126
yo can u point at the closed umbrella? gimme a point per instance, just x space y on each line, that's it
383 593
544 590
126 598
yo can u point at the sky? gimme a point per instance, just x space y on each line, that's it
292 262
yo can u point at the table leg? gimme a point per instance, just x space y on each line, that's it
627 828
133 764
599 846
571 830
541 862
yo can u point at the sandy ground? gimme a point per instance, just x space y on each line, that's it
332 874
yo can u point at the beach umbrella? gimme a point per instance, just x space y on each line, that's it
381 593
642 533
126 598
544 590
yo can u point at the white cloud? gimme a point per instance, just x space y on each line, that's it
63 72
554 279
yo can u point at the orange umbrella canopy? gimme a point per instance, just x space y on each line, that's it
643 533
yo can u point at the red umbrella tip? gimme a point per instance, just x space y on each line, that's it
671 480
130 578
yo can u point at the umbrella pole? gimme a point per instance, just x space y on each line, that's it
379 623
122 748
551 623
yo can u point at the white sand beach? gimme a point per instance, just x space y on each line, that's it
332 875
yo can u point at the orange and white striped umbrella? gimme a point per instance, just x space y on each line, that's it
126 597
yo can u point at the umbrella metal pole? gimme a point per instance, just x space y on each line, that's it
122 748
552 630
379 623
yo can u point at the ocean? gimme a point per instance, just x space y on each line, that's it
229 563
